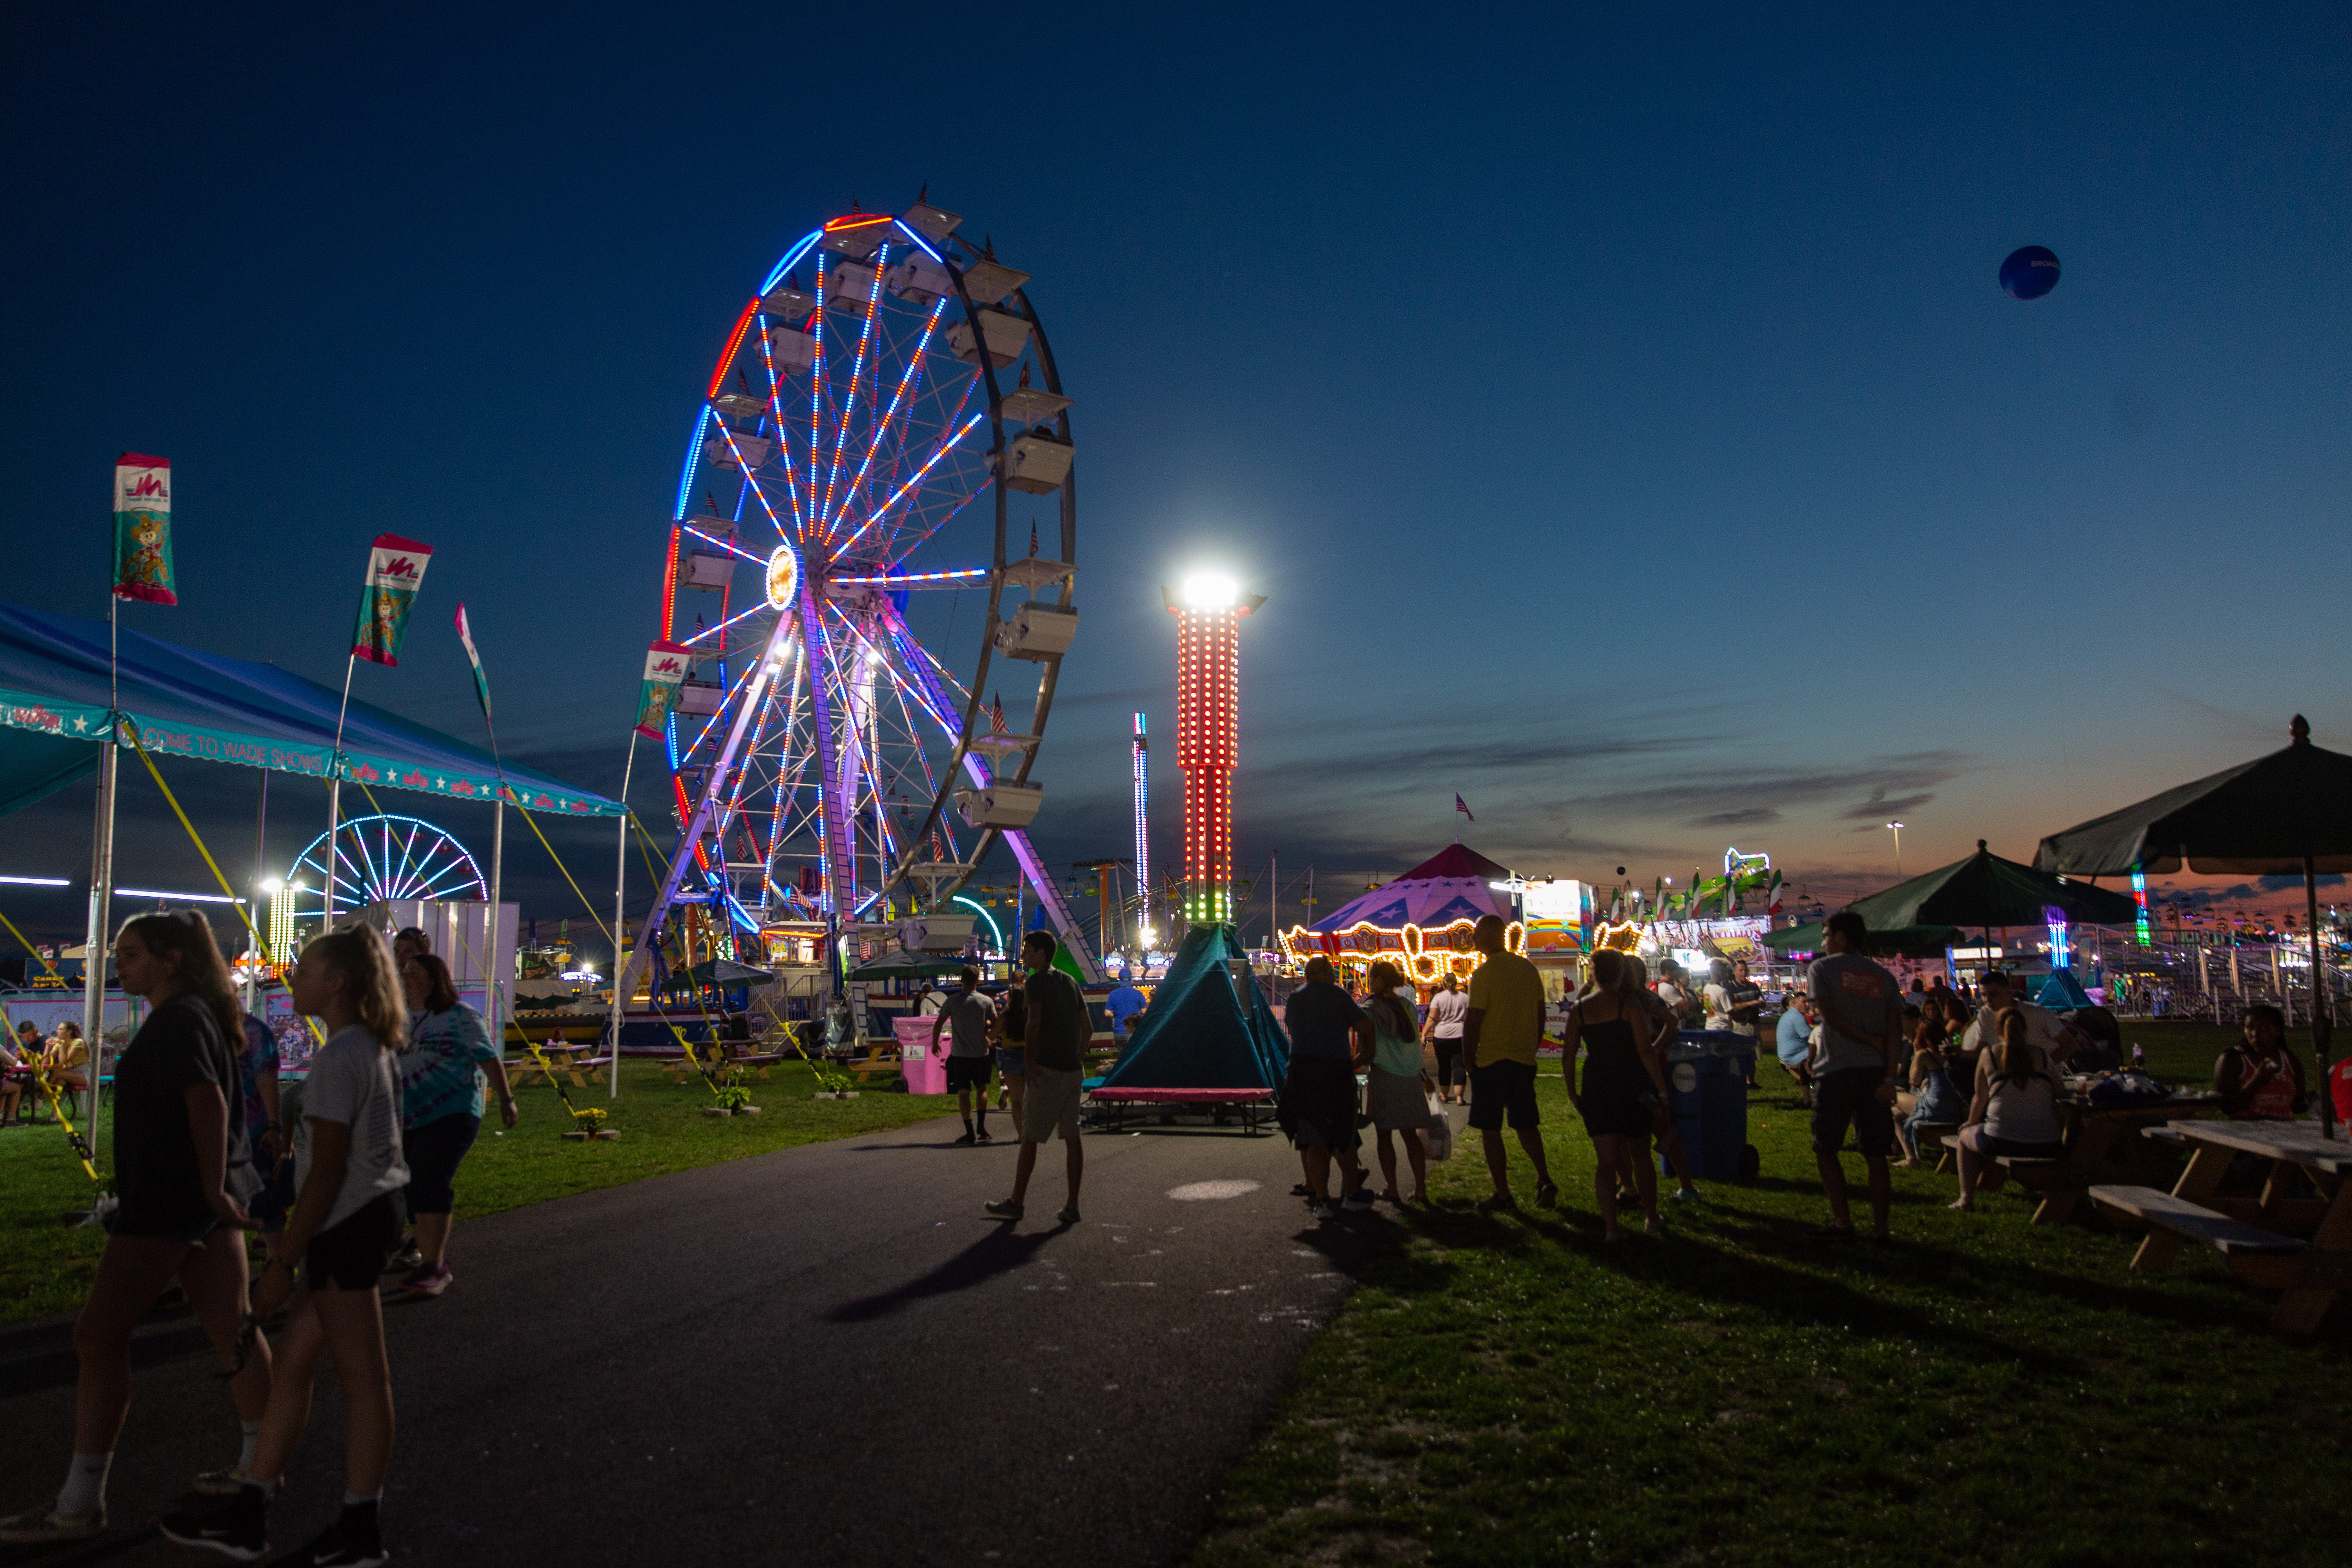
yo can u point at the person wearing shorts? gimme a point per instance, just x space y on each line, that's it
964 1016
1011 1051
1861 1008
1058 1030
1448 1008
1330 1037
441 1071
1499 1038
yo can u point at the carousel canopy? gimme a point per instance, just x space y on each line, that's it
1450 885
54 706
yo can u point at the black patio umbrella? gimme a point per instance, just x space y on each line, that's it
2287 813
1986 891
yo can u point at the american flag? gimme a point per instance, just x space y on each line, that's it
1461 808
996 715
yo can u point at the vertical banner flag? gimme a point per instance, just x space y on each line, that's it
665 672
396 571
482 681
143 530
1461 808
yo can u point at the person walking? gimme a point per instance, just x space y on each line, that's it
181 1172
1058 1030
349 1172
1330 1037
1499 1036
1615 1027
1861 1011
1449 1008
1012 1055
1398 1092
964 1016
257 1081
441 1071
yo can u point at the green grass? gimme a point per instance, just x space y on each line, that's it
46 1266
1505 1392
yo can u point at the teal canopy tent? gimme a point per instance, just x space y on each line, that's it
54 709
1208 1026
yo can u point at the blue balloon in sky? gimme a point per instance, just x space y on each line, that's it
2030 271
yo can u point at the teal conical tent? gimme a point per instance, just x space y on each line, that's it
1205 1028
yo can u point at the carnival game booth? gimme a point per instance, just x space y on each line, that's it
1207 1043
1419 922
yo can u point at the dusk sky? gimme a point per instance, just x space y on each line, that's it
1619 410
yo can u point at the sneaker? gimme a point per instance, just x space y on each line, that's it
1392 1197
1830 1232
427 1282
407 1258
1501 1203
336 1548
1686 1195
1547 1194
1357 1202
966 1140
1003 1208
40 1525
983 1136
223 1483
1324 1209
1653 1227
1067 1216
238 1527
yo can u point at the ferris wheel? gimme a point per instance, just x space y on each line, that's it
383 857
874 535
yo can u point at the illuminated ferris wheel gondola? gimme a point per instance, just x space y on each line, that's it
878 510
383 857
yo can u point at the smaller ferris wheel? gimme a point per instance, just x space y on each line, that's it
380 858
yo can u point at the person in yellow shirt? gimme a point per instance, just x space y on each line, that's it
1498 1046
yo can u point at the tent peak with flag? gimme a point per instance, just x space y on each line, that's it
54 709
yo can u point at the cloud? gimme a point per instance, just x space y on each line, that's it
2276 884
1918 772
1746 817
1880 806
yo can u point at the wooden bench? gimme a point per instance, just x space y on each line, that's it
2173 1221
2060 1181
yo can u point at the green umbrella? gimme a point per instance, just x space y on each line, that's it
1902 941
1986 891
907 966
2285 813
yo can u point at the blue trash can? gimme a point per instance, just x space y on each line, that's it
1706 1087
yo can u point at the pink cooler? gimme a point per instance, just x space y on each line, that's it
924 1073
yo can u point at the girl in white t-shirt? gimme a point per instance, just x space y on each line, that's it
345 1224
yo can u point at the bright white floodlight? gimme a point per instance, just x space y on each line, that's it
1211 591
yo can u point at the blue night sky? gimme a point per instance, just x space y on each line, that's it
1619 410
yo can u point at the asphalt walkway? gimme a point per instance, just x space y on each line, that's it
826 1355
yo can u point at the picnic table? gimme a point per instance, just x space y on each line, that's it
576 1061
2302 1246
2107 1143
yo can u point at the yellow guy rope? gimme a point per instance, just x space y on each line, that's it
80 1145
124 726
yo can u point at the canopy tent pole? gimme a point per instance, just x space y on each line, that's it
99 937
101 887
335 794
2321 1024
252 944
619 909
490 933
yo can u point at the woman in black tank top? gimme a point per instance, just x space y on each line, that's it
1620 1070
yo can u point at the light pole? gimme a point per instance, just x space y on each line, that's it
1898 849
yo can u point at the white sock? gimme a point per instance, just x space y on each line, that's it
85 1487
252 1440
352 1500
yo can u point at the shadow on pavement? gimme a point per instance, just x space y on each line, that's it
1002 1248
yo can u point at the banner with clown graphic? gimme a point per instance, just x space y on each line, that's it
143 530
666 666
396 571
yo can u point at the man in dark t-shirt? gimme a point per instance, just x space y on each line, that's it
1330 1037
1059 1028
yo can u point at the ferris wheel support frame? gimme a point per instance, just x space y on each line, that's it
836 751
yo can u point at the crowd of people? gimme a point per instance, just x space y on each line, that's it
33 1065
392 1097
